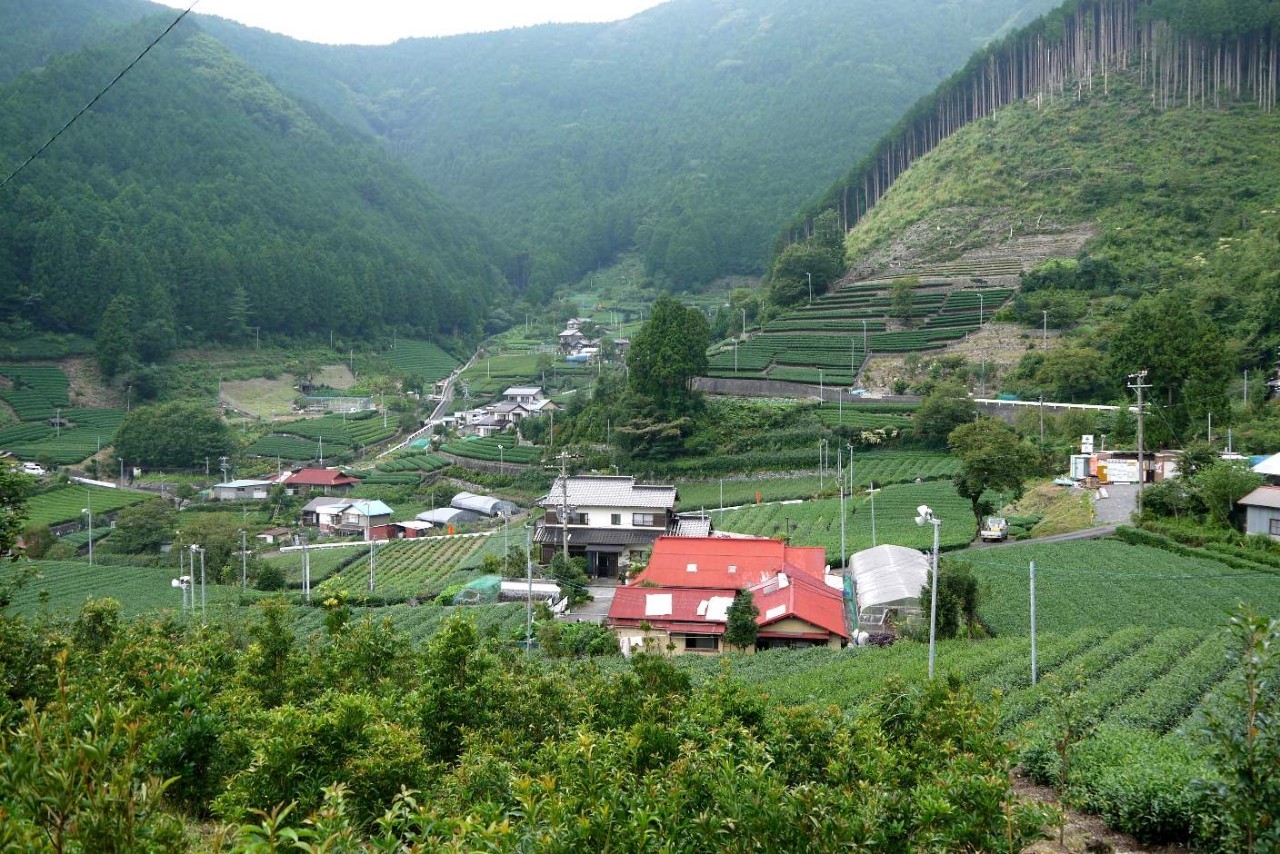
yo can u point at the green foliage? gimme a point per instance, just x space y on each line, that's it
993 458
669 350
173 435
1244 739
37 540
742 629
277 218
145 527
68 503
941 411
958 598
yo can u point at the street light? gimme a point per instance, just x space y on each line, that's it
195 548
980 312
89 510
925 515
501 464
183 583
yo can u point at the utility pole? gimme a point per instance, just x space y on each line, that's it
1042 420
306 569
373 563
1140 384
1033 622
244 562
844 552
564 504
1246 386
528 602
1045 345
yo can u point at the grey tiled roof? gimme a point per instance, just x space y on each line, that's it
609 491
595 536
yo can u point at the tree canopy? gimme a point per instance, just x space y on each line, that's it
173 435
668 352
992 458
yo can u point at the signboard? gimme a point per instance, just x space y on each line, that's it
1086 443
1122 471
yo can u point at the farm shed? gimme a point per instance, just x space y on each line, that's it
484 505
887 581
242 490
1262 511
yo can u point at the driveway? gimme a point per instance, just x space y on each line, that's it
1118 506
597 609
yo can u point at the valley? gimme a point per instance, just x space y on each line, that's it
304 350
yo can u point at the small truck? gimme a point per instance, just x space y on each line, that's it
994 530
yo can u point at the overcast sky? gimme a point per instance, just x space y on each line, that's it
384 21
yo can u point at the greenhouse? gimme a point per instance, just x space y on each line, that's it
887 581
484 505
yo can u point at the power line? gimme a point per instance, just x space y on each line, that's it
98 96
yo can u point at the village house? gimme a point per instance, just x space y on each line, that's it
348 517
680 602
328 481
606 519
518 403
242 490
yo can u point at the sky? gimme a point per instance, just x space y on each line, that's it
385 21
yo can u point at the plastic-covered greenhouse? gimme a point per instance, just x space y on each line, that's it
887 581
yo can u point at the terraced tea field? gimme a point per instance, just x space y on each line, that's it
828 341
409 568
1111 584
817 523
62 587
64 503
487 449
421 358
341 435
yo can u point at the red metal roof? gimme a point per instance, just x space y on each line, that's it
692 608
727 562
320 477
803 598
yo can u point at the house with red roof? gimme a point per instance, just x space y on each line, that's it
680 603
327 481
728 562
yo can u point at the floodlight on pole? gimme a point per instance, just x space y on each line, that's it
924 515
810 275
89 510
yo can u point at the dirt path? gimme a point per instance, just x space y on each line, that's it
1081 832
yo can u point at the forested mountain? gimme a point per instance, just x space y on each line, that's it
691 130
1151 127
34 33
210 202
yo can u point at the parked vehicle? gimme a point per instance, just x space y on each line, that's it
33 469
995 529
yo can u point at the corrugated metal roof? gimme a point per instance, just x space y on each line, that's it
608 491
728 562
595 536
1269 466
1263 496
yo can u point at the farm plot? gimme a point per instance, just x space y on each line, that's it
301 440
1109 583
62 587
817 523
324 562
408 568
421 358
486 448
34 391
64 503
90 431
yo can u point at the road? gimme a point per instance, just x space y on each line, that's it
446 397
1114 510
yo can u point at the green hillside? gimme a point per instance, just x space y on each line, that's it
213 203
691 130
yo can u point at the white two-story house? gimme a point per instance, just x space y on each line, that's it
605 519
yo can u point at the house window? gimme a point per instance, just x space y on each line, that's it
702 643
1275 527
615 518
578 519
645 520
